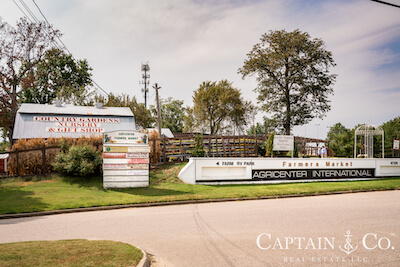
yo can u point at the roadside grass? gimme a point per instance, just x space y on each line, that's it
55 192
69 253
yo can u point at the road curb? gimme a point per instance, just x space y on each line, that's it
183 202
145 261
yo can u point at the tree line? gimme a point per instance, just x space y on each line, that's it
291 68
342 140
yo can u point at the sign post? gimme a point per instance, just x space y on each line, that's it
396 144
125 159
284 143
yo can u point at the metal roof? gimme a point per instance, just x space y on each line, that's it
164 131
74 110
44 121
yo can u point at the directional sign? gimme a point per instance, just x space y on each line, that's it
283 143
125 137
125 159
139 149
114 155
115 149
140 161
137 155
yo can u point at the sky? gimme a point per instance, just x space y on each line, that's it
186 42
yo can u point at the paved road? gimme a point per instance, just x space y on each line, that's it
294 231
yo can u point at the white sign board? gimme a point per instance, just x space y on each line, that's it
125 137
396 144
281 170
283 143
125 159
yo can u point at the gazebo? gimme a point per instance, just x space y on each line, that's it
369 131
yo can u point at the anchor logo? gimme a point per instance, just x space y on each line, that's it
348 247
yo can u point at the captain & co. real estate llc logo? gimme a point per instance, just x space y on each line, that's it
346 247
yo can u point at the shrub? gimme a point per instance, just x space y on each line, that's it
269 145
79 160
31 162
198 150
261 149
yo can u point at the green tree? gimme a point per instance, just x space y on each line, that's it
198 150
172 114
293 76
341 140
189 121
6 120
219 103
256 129
21 49
57 75
3 143
392 131
240 116
269 145
143 117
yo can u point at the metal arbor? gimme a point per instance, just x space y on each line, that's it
369 131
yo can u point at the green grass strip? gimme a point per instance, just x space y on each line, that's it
69 253
58 192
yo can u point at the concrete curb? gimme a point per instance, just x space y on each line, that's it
145 261
183 202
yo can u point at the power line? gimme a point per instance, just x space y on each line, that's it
55 44
41 12
65 47
51 27
99 88
33 19
22 11
29 11
385 3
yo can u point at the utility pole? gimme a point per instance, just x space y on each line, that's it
146 81
156 87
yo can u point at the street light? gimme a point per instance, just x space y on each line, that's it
317 130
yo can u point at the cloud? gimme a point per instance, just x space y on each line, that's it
190 41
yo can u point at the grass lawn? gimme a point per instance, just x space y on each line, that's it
69 253
54 192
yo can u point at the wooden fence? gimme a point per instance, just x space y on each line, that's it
30 161
163 151
180 149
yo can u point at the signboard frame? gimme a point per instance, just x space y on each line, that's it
126 162
283 143
396 144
